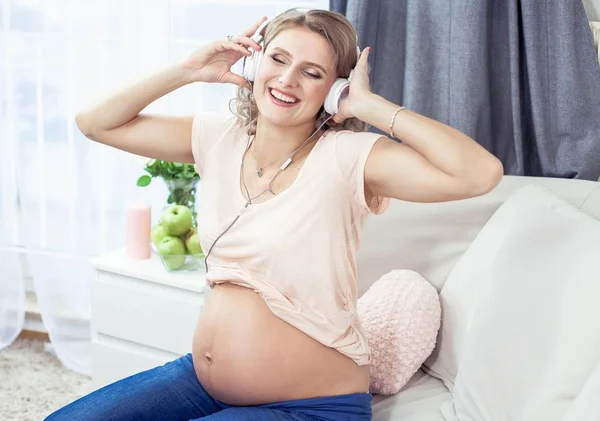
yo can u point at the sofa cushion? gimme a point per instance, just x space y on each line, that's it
459 294
525 304
430 238
400 315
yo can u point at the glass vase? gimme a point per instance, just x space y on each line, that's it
182 192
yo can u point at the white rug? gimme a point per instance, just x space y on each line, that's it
33 382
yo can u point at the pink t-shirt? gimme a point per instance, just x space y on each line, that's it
297 250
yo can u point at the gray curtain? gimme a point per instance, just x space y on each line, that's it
520 77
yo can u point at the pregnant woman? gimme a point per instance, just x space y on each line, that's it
288 179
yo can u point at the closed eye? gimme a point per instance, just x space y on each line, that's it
312 75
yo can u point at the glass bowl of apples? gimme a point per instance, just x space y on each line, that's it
175 240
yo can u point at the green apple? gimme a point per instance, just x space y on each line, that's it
177 220
157 233
172 250
192 243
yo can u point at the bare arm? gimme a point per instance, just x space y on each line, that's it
436 163
116 122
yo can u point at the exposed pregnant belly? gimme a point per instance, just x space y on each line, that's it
245 355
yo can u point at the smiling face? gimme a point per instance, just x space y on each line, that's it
294 77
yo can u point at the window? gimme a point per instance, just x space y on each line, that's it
57 56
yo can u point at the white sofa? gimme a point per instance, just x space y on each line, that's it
430 239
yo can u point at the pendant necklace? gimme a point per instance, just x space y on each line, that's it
260 170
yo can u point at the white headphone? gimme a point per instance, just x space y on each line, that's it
338 90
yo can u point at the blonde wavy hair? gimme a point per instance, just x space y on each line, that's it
340 34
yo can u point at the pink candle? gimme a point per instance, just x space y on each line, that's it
137 231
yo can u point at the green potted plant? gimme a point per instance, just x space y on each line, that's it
181 180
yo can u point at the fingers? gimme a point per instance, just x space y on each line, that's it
363 60
364 56
231 45
252 30
337 119
235 79
246 41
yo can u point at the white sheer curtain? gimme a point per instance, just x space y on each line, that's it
62 197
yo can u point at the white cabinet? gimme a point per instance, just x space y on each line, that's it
142 315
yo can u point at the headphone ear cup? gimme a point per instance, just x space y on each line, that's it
251 64
338 91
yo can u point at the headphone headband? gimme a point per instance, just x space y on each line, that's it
259 35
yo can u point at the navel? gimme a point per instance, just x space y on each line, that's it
208 359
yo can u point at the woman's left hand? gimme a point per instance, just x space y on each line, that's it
359 89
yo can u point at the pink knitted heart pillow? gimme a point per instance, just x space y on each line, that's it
400 315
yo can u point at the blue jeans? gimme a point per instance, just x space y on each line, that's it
173 392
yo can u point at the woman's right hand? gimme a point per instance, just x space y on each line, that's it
212 63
